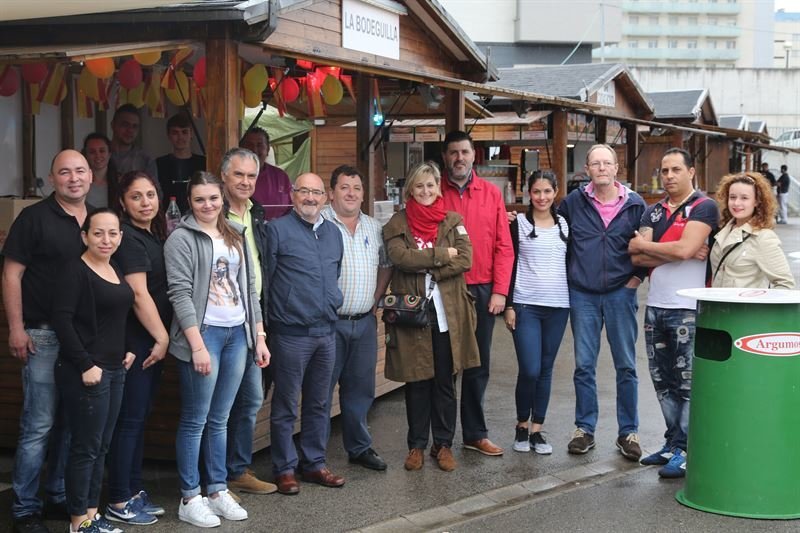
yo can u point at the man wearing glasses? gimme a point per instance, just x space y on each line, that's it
304 261
603 216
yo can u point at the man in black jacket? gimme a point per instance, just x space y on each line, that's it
239 171
783 195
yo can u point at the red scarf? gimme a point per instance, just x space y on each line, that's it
424 219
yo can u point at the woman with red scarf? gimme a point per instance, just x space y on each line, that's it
428 244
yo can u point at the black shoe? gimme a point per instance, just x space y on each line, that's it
56 510
369 459
30 524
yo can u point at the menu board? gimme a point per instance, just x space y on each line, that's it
427 134
401 134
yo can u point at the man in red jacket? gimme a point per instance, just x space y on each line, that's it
481 205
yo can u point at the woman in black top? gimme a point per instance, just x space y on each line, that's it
141 259
90 308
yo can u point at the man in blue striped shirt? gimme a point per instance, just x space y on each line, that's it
366 272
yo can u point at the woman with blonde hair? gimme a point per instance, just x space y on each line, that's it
430 250
746 251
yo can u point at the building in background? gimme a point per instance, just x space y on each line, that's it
522 32
694 33
787 39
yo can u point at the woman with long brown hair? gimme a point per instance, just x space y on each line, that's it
211 336
746 251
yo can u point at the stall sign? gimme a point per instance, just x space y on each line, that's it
482 132
535 131
427 134
367 28
401 134
607 95
506 133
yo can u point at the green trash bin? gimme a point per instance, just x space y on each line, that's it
744 424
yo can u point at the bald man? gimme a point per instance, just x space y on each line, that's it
43 238
304 260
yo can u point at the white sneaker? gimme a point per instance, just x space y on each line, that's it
197 513
226 507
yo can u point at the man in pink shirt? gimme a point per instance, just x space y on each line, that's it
273 188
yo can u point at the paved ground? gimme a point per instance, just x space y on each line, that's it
596 492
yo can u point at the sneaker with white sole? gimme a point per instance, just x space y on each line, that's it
197 512
225 506
661 457
145 504
581 442
87 526
676 467
540 445
629 447
521 442
130 514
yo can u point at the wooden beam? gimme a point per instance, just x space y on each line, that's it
559 162
28 123
67 109
453 110
601 126
632 147
222 124
365 129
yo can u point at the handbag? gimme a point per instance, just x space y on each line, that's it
406 310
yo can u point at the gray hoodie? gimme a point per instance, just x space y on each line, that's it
188 257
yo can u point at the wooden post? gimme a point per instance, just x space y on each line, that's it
28 124
67 109
222 124
559 162
677 139
600 129
453 110
632 151
365 129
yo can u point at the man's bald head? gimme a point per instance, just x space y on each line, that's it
308 196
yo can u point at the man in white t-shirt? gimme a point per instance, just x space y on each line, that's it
673 241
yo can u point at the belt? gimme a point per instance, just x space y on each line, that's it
38 325
354 317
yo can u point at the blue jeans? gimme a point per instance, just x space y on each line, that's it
354 370
475 380
588 313
39 416
669 337
537 337
92 413
242 421
300 364
125 455
207 401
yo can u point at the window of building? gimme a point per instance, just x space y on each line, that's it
691 44
672 43
712 1
653 20
633 44
652 44
633 19
673 20
712 45
730 45
713 21
732 1
693 21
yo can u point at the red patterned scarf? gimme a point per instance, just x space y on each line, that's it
424 219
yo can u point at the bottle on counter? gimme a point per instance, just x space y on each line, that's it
510 198
173 215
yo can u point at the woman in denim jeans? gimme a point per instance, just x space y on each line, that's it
211 336
538 306
90 307
141 258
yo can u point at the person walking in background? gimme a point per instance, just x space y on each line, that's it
273 187
602 218
140 258
537 307
176 167
239 170
43 238
364 278
104 191
211 343
430 250
484 214
673 242
90 308
746 251
304 261
783 195
124 152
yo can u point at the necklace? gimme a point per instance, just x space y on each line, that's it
673 206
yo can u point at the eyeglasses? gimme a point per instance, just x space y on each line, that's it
598 164
305 191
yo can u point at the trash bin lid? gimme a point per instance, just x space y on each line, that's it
743 295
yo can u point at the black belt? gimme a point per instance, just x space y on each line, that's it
38 325
354 317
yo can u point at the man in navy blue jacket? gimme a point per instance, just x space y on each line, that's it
304 260
603 217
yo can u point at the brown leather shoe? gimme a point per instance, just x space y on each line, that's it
287 484
323 477
415 459
444 457
484 446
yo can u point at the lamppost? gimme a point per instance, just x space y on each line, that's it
787 48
